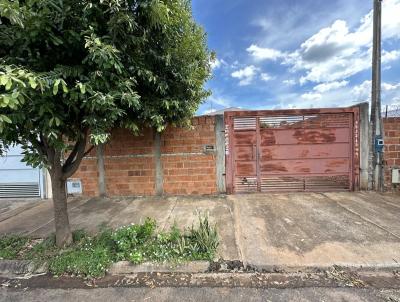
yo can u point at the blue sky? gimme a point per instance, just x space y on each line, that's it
297 53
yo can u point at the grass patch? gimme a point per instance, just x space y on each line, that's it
139 243
11 246
91 256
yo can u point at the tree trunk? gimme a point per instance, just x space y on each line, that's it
59 174
63 230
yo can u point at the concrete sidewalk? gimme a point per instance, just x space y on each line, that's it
266 230
318 230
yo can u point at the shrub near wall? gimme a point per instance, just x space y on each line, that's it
130 162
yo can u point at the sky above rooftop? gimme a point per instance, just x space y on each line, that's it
275 54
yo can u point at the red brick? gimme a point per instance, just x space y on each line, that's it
392 147
183 174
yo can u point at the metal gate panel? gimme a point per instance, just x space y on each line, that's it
244 140
305 166
273 137
341 150
292 150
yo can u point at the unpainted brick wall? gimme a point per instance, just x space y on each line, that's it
88 174
187 170
391 127
130 162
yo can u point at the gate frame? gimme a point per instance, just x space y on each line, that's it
229 130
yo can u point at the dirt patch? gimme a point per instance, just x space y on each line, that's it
344 277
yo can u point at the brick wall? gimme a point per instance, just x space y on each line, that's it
130 162
187 170
391 127
87 173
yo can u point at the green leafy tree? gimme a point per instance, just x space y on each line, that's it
72 70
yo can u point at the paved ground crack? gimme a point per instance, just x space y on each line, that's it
170 214
237 231
389 202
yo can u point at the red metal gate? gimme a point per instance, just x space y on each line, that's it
292 150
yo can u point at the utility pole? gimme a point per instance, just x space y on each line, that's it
376 121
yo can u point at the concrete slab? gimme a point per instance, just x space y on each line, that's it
138 209
186 211
11 207
265 230
373 208
95 213
29 221
295 230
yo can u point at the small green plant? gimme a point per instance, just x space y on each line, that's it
87 260
78 235
128 238
90 256
43 250
205 236
11 246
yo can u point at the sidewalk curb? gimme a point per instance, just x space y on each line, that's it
21 267
319 268
126 267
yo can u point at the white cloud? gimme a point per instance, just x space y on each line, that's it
387 86
216 101
289 82
260 53
388 56
331 54
311 96
264 23
337 68
338 51
217 63
265 77
340 97
246 75
390 92
363 91
390 19
205 112
235 64
343 96
220 100
324 87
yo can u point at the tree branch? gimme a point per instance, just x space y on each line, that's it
73 153
88 151
50 152
42 148
70 168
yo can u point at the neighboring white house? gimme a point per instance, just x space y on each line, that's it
17 179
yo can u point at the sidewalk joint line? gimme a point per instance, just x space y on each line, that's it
51 220
360 216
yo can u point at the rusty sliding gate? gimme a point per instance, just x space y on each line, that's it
292 150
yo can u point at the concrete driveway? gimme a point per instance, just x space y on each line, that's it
266 230
318 230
